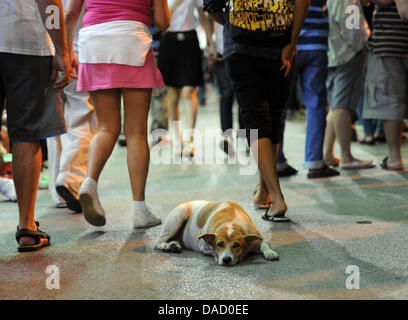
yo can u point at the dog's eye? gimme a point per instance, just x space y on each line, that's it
235 245
220 244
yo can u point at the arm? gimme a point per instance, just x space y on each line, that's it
402 6
73 11
217 17
58 37
208 28
289 51
161 14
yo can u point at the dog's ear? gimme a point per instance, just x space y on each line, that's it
208 237
251 238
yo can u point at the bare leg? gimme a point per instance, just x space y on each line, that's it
329 139
393 131
263 197
189 95
342 129
107 108
265 155
27 159
137 104
172 100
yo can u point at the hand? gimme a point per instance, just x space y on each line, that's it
74 66
61 64
288 54
212 54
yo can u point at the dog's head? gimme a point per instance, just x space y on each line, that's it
230 245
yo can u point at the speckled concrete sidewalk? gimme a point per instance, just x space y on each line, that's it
117 262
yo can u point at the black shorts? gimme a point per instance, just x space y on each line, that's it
30 98
180 59
261 90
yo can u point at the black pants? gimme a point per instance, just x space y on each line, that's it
227 95
262 91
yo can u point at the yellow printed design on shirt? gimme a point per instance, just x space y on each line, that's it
261 15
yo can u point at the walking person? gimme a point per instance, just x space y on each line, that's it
386 81
347 63
311 67
226 92
258 65
29 84
180 61
110 73
68 154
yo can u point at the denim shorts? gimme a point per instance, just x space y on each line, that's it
27 92
345 82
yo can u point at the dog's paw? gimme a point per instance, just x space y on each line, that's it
270 255
173 247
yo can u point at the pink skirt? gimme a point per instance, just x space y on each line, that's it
92 77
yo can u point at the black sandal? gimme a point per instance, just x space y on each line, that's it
36 235
281 218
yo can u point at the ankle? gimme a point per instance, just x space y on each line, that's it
140 206
29 226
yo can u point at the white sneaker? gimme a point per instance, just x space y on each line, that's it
91 206
7 189
145 219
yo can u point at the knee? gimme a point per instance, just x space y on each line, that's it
136 131
188 93
112 131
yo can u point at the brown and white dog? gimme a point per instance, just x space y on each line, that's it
219 229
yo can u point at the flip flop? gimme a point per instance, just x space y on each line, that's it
357 164
36 235
281 218
385 166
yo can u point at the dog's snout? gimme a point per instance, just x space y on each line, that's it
227 260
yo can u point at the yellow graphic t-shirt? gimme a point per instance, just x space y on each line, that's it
262 15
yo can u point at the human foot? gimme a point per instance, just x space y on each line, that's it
91 206
262 199
393 166
276 213
31 239
357 164
144 219
332 161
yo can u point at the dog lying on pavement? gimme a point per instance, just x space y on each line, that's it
219 229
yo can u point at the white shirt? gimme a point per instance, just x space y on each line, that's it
183 18
22 30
